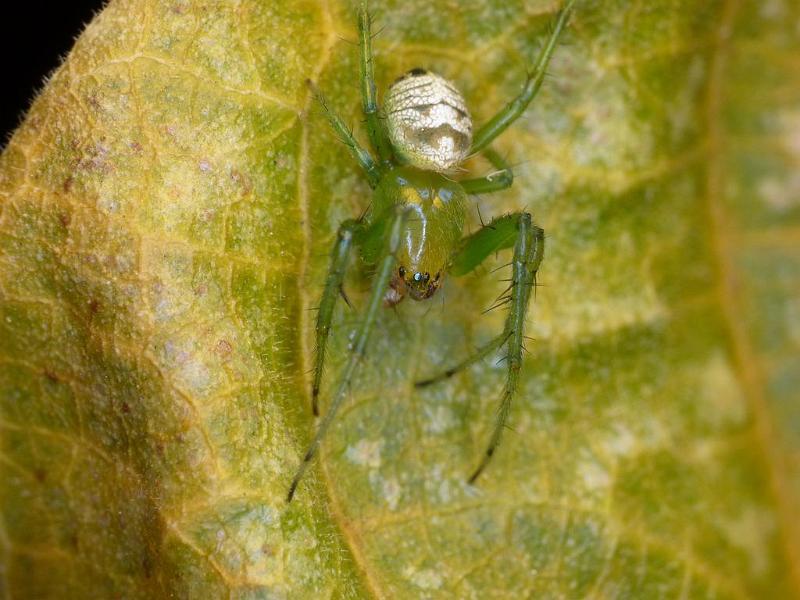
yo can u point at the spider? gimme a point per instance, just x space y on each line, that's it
412 233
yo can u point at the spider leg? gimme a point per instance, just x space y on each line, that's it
500 233
501 179
479 355
515 230
369 97
514 109
332 290
528 253
386 266
362 156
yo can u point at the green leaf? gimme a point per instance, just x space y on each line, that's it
167 209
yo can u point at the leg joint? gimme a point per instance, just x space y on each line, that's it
347 229
504 177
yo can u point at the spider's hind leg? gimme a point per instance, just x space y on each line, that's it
501 179
515 230
514 109
362 156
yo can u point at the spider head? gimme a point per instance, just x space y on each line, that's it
418 285
422 286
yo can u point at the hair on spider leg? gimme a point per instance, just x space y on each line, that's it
480 218
371 18
380 30
443 294
316 92
347 40
427 311
499 304
503 298
508 289
403 324
343 294
508 264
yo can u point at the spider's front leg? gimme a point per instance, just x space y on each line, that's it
515 230
392 234
330 293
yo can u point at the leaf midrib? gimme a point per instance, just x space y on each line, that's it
748 368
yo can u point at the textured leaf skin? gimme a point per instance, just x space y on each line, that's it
167 207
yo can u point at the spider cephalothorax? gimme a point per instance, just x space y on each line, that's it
436 209
413 232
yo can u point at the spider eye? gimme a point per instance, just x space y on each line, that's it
427 277
417 276
402 271
436 278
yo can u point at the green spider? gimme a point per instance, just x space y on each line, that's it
412 232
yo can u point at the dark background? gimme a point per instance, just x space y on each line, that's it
34 37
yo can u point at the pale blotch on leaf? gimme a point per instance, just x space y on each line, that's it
365 453
438 419
721 403
751 532
392 492
427 579
594 475
618 441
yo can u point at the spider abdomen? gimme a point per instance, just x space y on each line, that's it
428 122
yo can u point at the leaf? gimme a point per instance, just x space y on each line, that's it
167 210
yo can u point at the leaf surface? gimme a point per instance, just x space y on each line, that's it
167 209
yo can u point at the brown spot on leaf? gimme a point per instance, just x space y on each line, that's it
223 349
51 375
94 308
93 101
242 180
147 568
